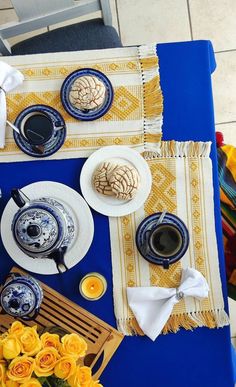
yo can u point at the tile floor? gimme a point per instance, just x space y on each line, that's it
179 20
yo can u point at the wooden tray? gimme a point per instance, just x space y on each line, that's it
57 310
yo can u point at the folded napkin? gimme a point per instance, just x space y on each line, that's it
10 78
152 306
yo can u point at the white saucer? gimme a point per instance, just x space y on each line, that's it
108 205
80 213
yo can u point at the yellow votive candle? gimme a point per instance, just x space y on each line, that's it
93 286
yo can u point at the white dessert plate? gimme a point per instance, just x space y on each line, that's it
109 205
78 209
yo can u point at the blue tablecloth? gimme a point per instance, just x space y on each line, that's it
186 359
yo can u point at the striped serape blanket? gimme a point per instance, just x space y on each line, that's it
227 180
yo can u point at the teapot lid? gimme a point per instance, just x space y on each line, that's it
36 229
18 299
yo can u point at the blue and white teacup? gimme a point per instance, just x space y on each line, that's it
39 125
162 243
165 240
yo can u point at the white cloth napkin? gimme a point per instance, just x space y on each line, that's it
9 79
152 306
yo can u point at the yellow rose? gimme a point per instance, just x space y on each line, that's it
2 372
1 350
16 328
45 361
73 345
85 375
31 383
30 341
50 340
11 347
10 383
65 367
91 383
81 377
74 379
3 336
20 369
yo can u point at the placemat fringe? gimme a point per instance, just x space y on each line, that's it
176 322
147 50
210 319
152 99
129 327
222 319
152 95
181 149
188 321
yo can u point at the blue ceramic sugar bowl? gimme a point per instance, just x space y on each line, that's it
21 296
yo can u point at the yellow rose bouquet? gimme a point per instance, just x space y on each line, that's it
28 359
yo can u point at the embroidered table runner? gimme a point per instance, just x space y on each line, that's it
134 119
182 184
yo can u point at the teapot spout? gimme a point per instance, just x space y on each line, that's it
58 257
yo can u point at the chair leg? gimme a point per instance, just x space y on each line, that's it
5 48
106 12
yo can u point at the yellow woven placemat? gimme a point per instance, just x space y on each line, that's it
182 184
134 120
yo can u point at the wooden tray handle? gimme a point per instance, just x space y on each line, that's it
107 353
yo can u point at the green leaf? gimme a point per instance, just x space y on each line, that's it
56 382
41 380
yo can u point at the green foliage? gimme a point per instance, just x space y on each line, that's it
52 381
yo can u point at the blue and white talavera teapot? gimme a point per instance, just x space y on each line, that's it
21 296
42 228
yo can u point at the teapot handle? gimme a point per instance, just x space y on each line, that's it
58 257
59 260
19 197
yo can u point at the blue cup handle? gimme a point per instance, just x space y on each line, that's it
146 248
166 263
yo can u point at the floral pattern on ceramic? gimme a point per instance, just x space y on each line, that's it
42 228
21 296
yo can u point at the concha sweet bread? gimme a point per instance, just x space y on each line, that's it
101 178
124 182
87 93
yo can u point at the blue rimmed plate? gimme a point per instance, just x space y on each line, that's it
150 223
86 115
56 140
